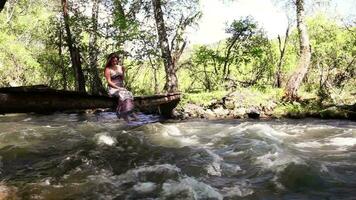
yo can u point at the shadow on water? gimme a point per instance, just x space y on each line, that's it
97 156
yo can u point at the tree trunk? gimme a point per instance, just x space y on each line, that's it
74 52
171 84
122 24
226 71
2 4
60 54
282 50
305 55
207 79
155 75
96 84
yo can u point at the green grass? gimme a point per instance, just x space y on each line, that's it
250 96
203 98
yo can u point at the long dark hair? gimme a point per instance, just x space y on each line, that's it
110 57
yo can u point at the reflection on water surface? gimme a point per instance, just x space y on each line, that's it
72 156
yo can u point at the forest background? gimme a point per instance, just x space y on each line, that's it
64 44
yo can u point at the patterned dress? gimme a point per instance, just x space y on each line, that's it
125 97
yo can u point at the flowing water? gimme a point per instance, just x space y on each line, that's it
73 156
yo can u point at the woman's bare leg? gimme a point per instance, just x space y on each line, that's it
126 118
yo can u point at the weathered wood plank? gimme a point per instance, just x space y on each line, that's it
42 99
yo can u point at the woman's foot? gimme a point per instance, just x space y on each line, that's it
126 118
135 117
118 115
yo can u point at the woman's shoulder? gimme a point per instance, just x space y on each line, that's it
107 70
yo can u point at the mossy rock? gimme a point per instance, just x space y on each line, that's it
333 113
238 113
230 105
296 115
351 115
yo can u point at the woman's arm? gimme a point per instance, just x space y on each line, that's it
108 79
123 74
121 69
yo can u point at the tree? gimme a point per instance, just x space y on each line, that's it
282 51
172 19
203 69
61 61
334 58
171 77
74 51
22 32
125 21
305 55
241 31
96 84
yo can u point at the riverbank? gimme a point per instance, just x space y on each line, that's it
247 103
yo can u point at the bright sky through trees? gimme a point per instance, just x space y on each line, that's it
216 13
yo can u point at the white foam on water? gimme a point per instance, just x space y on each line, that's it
105 139
323 168
156 168
171 135
171 189
232 153
226 132
27 119
203 190
175 185
192 189
313 144
296 131
173 131
262 131
343 141
214 168
145 187
45 182
231 169
236 191
277 160
320 127
189 141
266 130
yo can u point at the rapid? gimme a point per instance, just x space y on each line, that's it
97 156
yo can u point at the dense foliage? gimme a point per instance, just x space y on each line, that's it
33 49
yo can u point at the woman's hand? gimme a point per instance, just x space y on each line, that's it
121 88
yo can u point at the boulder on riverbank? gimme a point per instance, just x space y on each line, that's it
240 105
339 112
234 105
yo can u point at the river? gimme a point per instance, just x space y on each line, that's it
96 156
